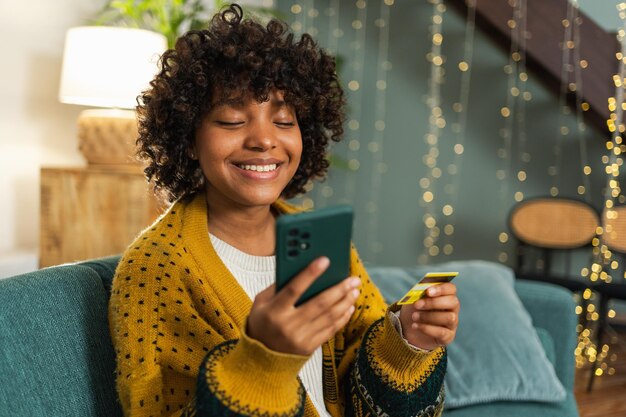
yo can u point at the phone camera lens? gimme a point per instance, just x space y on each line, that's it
292 242
292 253
305 235
294 232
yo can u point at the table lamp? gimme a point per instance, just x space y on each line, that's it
108 67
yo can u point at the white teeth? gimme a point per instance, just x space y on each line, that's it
258 168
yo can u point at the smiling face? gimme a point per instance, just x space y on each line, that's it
248 151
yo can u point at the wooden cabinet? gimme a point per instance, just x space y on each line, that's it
92 212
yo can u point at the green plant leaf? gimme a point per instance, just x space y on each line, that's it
170 17
338 162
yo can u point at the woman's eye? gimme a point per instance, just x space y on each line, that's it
285 124
228 123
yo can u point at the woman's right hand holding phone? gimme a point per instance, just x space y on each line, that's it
276 322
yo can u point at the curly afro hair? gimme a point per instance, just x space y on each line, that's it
236 57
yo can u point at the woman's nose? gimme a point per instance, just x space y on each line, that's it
261 137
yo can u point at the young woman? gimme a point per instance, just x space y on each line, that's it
238 118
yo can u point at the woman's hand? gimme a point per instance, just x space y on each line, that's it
276 322
432 321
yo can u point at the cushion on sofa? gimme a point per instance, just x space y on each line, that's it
547 343
497 354
56 357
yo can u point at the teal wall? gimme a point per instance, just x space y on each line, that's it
603 12
481 202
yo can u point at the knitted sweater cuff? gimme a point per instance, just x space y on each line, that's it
249 373
280 367
394 379
401 357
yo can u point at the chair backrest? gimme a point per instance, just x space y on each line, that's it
614 225
554 223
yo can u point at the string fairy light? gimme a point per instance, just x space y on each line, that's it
357 63
436 123
334 33
571 63
375 146
606 265
312 14
514 115
325 190
579 64
459 128
298 11
524 96
305 14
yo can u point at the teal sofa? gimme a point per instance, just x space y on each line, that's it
56 357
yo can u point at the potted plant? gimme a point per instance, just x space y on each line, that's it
172 18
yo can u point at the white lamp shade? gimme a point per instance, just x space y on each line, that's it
108 66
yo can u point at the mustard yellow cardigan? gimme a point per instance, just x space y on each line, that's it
176 318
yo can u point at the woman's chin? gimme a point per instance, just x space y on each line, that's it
259 199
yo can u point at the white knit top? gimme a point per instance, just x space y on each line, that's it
254 274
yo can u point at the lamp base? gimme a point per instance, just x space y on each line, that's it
108 137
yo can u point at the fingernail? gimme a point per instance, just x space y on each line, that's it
355 282
432 291
415 316
323 262
356 293
414 325
419 304
352 308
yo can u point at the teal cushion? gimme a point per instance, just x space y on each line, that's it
497 354
56 357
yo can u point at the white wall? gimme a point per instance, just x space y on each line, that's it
35 129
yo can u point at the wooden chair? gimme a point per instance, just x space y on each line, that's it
614 237
546 225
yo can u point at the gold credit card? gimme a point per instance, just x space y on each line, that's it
430 279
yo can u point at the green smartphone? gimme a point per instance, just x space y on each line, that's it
303 237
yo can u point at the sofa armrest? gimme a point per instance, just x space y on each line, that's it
552 308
